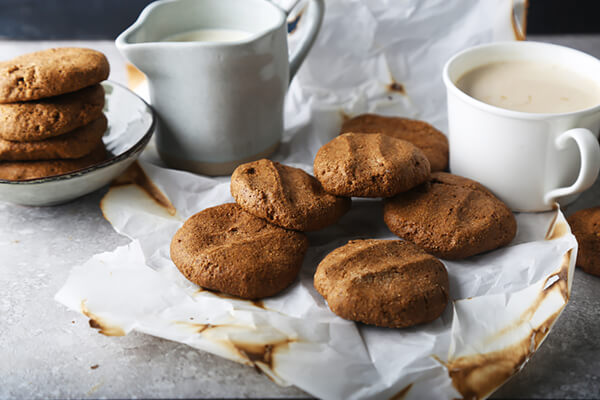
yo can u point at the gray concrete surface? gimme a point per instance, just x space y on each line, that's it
47 351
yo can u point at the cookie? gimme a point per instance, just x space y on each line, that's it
224 248
433 142
30 121
369 165
585 225
75 144
389 283
23 170
50 72
285 196
451 217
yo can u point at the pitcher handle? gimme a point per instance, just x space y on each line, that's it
590 162
315 11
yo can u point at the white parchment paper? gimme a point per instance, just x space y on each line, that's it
381 56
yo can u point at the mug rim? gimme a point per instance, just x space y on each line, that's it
452 88
123 38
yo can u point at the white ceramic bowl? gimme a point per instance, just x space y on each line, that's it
130 125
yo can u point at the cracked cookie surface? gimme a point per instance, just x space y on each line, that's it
39 120
75 144
51 72
423 135
388 283
451 217
285 196
224 248
370 165
23 170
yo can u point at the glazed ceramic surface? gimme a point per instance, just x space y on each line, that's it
219 103
130 126
528 160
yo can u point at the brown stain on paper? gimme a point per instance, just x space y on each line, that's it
519 27
401 395
260 353
135 175
135 77
396 87
296 21
557 230
98 323
477 376
253 353
196 327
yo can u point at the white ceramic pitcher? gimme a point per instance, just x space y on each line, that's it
219 104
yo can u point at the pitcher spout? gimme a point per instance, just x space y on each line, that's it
138 43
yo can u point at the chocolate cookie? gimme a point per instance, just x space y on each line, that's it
451 217
225 248
585 225
23 170
285 196
433 142
369 165
30 121
75 144
390 283
50 73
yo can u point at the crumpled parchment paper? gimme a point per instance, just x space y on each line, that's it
371 56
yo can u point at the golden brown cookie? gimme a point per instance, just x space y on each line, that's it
285 196
585 225
50 72
369 165
23 170
451 217
390 283
433 142
75 144
225 248
38 120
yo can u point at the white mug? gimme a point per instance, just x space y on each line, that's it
219 104
528 160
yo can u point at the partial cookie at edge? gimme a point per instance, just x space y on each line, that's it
585 225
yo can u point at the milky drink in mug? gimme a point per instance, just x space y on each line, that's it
218 71
524 120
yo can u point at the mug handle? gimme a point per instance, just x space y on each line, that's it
314 17
589 150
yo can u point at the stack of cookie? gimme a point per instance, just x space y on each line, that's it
51 119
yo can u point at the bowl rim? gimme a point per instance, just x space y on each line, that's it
135 148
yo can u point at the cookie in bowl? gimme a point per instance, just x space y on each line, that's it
51 72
